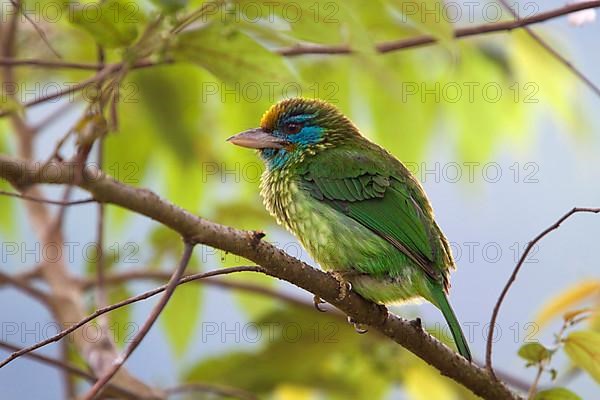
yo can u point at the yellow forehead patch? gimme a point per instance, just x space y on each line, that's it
298 104
270 117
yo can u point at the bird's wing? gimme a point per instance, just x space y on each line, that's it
390 204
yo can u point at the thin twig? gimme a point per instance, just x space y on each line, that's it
39 30
25 287
54 64
384 47
195 15
68 367
536 381
422 40
220 390
101 299
110 69
552 51
47 201
513 276
156 311
148 274
131 300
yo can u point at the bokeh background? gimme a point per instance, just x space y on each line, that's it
498 170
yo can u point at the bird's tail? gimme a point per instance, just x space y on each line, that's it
441 301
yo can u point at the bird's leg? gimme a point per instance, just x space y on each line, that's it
317 301
345 285
358 327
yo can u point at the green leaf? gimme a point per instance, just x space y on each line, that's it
170 6
423 383
567 300
583 348
181 315
112 23
7 204
232 56
317 22
534 352
7 212
120 320
334 360
554 84
556 394
427 16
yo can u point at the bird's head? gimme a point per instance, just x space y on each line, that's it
294 128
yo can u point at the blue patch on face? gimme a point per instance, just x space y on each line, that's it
309 134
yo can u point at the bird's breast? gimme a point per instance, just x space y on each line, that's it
292 207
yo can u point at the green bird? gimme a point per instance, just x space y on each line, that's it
356 208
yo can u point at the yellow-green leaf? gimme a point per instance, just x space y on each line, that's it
423 383
112 23
427 16
556 394
232 56
180 317
534 352
568 299
121 325
583 348
577 314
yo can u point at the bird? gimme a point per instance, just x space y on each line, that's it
358 210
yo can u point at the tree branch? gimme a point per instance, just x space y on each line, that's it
274 261
147 274
131 300
23 286
47 201
70 368
158 308
39 30
104 73
513 276
395 45
553 52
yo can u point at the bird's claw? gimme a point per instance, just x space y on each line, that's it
317 301
345 285
358 327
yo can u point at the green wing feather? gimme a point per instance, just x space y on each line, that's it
372 187
377 191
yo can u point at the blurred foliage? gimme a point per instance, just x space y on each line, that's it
534 352
221 72
301 352
583 348
587 291
556 394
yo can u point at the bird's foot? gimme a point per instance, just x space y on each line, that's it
317 301
358 327
345 285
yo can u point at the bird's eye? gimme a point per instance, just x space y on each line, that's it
291 128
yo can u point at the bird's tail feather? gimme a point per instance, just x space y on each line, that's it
459 338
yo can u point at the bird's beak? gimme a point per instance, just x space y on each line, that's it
257 139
